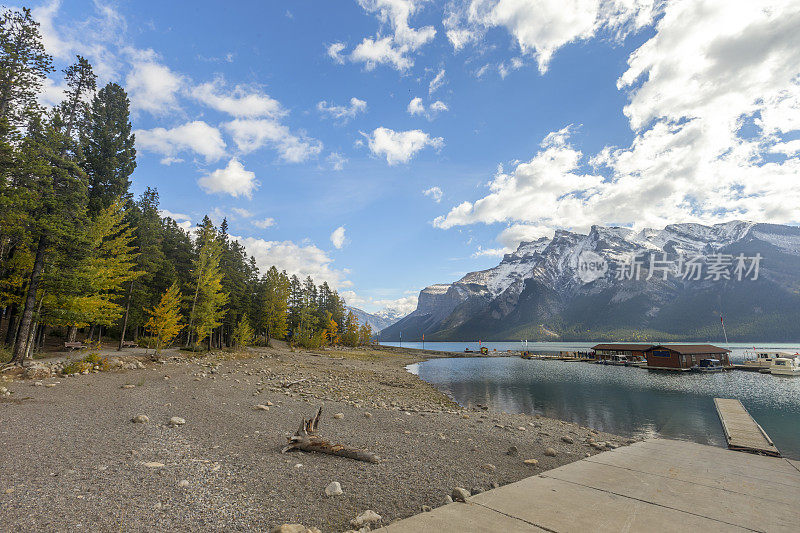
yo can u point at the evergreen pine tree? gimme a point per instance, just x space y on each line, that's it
108 147
24 65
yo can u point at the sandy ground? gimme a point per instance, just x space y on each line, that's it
73 460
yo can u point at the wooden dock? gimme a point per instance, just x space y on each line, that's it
654 486
741 431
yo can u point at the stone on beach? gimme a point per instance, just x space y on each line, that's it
531 461
153 464
262 407
176 421
366 518
550 452
140 419
338 416
294 528
513 451
488 467
460 494
568 439
334 489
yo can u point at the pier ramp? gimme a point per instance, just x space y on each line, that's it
651 486
742 432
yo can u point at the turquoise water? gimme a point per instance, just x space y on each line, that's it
627 401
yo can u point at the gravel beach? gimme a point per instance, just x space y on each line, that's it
74 460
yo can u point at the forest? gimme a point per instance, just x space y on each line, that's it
81 258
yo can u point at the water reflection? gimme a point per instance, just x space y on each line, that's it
623 400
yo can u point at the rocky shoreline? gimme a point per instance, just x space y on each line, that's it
204 451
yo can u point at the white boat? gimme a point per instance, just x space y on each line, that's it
763 358
708 365
786 366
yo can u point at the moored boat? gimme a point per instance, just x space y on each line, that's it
788 365
709 365
762 358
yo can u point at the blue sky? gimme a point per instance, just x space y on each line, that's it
297 119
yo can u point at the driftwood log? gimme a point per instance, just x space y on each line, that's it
307 440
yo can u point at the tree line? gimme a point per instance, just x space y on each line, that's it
79 253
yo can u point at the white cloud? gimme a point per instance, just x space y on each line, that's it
340 112
95 36
690 159
253 134
435 193
233 180
197 137
504 69
300 259
338 238
436 82
182 220
540 27
393 49
490 252
240 101
381 306
265 223
400 306
416 107
152 86
242 212
52 94
335 52
400 146
373 52
336 160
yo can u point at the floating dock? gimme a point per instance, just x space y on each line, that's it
741 431
655 485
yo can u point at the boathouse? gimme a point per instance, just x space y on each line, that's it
684 356
631 352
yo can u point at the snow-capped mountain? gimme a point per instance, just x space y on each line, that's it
672 283
377 321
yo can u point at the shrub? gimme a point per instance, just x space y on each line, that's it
5 355
88 362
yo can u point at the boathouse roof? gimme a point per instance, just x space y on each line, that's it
691 348
611 346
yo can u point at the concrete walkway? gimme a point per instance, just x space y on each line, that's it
656 485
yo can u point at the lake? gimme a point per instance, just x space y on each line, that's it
628 401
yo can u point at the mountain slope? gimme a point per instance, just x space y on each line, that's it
376 321
646 286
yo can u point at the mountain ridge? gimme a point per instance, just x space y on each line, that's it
540 288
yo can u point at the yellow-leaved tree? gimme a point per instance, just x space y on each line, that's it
209 300
164 322
365 334
331 330
243 333
274 303
90 294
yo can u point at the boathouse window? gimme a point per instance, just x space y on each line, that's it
661 353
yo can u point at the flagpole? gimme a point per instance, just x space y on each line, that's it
723 329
